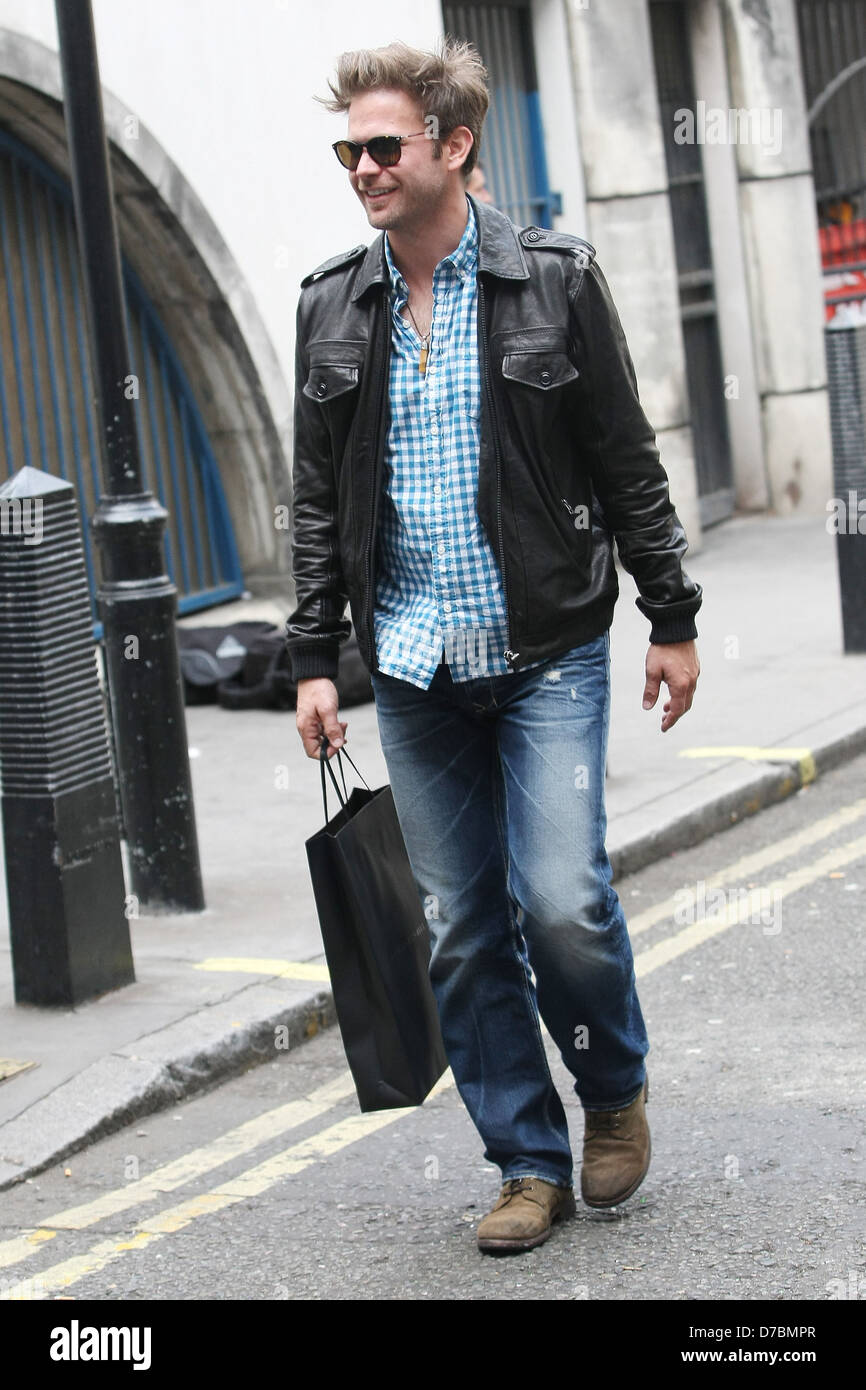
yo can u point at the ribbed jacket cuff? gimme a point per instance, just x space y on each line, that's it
319 659
676 628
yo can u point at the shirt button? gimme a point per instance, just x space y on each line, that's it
441 547
447 607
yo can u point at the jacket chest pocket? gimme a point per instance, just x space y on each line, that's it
335 369
544 370
328 381
537 358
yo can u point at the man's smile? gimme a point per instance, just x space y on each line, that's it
377 193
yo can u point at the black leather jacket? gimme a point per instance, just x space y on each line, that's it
568 458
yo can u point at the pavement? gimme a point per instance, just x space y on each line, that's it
777 705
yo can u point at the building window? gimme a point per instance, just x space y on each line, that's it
512 147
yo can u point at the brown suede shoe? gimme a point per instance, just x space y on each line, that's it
616 1152
524 1214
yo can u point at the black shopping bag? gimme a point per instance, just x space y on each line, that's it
377 947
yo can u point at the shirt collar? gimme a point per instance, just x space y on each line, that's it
463 259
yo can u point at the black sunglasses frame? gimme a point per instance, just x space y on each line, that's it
393 143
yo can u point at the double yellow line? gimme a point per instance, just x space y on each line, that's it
273 1123
250 1183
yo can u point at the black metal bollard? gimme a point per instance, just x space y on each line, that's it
846 371
64 873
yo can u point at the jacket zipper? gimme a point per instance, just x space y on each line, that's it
374 494
509 655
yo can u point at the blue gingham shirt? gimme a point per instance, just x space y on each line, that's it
439 593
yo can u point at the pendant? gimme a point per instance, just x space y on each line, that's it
422 361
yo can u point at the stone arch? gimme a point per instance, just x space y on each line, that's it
196 286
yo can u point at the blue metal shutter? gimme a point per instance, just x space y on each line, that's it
512 144
46 397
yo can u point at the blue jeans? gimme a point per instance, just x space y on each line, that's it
499 787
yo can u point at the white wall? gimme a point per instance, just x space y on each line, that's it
559 113
226 87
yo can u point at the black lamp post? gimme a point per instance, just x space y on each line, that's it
136 599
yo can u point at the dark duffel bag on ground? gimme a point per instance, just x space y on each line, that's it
209 655
246 666
265 681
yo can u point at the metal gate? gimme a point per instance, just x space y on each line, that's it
46 394
833 51
704 372
512 149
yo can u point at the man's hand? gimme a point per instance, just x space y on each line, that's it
675 663
317 714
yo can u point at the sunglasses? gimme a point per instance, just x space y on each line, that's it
384 150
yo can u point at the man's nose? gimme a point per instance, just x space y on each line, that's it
366 165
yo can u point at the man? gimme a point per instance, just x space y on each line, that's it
476 184
468 438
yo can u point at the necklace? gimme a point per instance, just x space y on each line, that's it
425 340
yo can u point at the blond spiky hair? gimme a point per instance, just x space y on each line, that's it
449 84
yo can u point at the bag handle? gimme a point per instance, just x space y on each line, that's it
325 762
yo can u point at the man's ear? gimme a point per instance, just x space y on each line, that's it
457 146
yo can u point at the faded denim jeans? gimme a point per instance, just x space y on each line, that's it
499 787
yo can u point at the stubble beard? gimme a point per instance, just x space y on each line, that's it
416 211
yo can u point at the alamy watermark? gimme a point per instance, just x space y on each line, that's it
853 1287
22 516
712 125
463 648
84 1343
703 903
847 516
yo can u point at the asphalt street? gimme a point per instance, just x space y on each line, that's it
749 953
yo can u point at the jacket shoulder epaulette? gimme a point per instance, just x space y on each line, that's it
541 239
344 258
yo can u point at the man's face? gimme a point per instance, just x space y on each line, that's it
409 194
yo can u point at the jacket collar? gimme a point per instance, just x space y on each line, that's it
499 251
